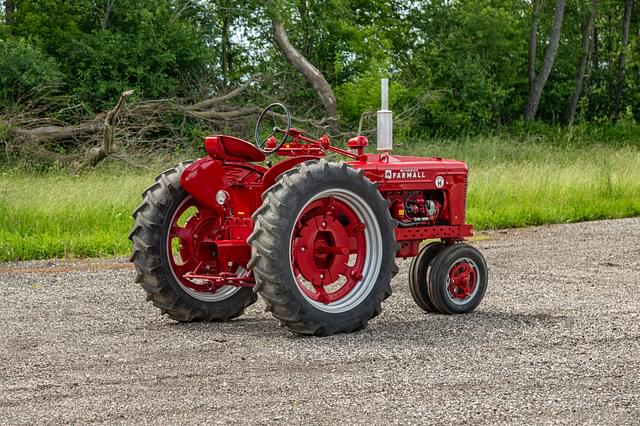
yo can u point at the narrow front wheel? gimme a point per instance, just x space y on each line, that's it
457 279
419 274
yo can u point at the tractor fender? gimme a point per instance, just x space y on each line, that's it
202 179
277 169
206 176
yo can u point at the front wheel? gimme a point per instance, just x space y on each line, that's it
457 279
323 249
419 274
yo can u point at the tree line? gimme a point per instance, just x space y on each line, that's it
456 66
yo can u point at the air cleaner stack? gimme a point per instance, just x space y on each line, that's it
385 119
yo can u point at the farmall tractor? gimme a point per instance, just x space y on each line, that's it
316 239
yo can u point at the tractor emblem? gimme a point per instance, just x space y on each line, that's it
404 174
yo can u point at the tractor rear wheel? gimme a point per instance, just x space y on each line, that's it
457 279
419 275
323 249
166 248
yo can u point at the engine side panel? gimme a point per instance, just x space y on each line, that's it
427 196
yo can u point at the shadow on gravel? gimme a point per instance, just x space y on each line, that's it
254 327
426 328
477 325
535 318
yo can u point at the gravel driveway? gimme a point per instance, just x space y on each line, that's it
556 340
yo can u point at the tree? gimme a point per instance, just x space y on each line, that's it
622 57
226 58
587 31
107 47
322 88
9 10
538 81
456 67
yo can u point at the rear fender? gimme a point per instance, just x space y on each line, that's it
279 168
202 179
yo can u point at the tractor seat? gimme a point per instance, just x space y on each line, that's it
223 147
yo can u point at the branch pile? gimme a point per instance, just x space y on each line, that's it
86 143
148 127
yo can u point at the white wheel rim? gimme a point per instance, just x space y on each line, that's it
374 251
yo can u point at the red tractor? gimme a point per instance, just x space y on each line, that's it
317 239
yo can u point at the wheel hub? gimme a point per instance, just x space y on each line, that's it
325 240
463 280
192 226
322 250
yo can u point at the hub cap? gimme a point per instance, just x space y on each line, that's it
336 250
191 225
462 281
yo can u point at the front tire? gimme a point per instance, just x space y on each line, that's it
419 274
164 249
323 249
457 279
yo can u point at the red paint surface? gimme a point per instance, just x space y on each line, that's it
463 280
326 235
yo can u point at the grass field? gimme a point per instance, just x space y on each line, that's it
512 184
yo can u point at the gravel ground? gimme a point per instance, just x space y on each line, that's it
556 340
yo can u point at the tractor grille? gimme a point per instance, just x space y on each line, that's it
464 212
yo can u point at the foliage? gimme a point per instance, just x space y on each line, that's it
25 69
473 50
465 60
363 95
139 44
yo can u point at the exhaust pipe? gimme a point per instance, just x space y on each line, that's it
385 119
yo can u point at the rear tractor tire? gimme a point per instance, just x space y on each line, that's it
323 249
165 247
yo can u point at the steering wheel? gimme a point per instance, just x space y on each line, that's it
260 143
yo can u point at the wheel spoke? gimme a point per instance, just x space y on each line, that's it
353 245
356 229
264 141
352 273
188 266
182 233
329 205
321 293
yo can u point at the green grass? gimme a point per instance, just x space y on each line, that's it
512 184
58 215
